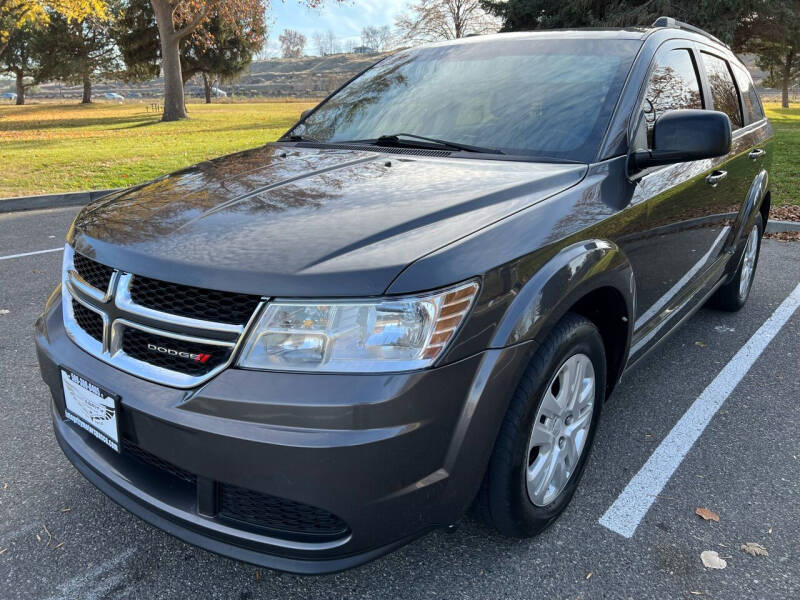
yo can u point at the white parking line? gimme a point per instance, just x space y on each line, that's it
31 253
630 507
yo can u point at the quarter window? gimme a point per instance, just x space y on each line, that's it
723 90
673 85
751 103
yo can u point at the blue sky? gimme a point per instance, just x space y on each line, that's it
345 20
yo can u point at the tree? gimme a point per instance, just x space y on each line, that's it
772 32
229 54
432 20
16 14
136 34
293 43
719 17
377 38
77 51
19 58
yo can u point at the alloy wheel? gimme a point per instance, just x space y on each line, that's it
560 430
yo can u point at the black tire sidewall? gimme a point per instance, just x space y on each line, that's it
576 336
759 223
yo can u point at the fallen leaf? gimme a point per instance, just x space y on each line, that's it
4 311
700 344
708 515
3 551
67 509
38 538
754 549
712 560
589 575
696 593
770 530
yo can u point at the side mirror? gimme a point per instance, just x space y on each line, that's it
686 135
305 113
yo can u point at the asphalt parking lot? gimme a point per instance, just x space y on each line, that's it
61 538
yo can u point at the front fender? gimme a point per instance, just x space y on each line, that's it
574 272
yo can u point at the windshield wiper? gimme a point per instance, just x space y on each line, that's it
394 139
299 138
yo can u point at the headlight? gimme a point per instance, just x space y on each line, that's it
387 334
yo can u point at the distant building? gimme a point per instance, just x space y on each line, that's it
364 50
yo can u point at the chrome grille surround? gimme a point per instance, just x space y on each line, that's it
119 311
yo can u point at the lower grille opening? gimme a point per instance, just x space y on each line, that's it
253 510
278 516
152 460
169 353
88 320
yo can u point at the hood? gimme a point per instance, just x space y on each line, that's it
285 221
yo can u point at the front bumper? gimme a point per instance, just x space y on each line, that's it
392 455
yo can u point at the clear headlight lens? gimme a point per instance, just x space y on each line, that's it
388 334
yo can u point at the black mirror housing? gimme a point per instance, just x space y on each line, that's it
686 135
305 113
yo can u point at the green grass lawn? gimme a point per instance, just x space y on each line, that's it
55 148
48 147
786 162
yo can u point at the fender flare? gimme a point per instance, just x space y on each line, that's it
568 276
752 206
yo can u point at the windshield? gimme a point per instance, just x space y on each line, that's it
549 98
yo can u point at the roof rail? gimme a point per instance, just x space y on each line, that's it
670 22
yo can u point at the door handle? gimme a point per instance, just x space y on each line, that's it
757 153
716 177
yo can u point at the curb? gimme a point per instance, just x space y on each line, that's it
782 226
23 203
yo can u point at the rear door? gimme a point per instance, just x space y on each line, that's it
737 169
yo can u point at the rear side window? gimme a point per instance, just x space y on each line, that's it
673 85
751 103
723 90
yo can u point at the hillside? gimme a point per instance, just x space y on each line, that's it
310 76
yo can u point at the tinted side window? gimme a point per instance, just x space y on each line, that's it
673 85
750 100
723 90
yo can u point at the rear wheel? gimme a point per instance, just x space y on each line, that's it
733 295
544 441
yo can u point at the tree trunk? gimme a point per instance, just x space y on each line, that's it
207 88
87 89
20 88
786 79
174 103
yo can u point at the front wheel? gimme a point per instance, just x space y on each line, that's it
541 450
733 295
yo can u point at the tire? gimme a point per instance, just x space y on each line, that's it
733 295
504 500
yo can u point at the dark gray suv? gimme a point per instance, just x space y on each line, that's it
417 301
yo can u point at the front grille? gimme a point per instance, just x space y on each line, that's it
193 302
136 344
88 320
152 460
279 515
93 273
